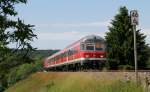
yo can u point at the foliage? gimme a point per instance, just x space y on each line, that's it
23 71
120 42
13 31
120 86
42 53
148 63
125 67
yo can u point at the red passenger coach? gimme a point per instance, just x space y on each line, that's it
88 52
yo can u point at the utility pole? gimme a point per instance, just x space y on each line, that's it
134 21
135 55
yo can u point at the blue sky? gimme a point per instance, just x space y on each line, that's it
58 23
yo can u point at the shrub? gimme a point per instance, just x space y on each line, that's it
23 71
125 67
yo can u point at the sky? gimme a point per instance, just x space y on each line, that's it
59 23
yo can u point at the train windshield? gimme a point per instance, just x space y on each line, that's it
93 45
89 46
99 46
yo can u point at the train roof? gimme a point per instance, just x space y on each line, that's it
86 38
79 41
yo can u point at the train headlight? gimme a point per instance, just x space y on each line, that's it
87 56
101 56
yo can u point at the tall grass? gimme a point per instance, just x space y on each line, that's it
75 82
118 86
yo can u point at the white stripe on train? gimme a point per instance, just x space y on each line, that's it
82 60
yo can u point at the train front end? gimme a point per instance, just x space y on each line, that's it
93 51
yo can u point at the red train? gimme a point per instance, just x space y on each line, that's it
88 52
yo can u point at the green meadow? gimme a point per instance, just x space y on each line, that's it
76 82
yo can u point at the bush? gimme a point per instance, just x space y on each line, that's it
125 67
112 65
120 86
23 71
148 64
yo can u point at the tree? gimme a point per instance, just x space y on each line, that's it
15 32
120 42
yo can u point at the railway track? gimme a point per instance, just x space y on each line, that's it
92 70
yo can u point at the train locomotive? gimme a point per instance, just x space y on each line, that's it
86 53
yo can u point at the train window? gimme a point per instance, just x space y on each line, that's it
72 51
99 46
82 46
99 49
68 52
63 55
89 47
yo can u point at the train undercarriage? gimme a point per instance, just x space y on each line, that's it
84 65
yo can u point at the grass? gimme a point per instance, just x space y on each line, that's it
75 82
